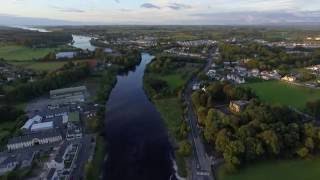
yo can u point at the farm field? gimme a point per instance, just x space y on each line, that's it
22 53
278 170
282 93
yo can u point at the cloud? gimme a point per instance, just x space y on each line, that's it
69 10
259 17
117 1
150 6
178 6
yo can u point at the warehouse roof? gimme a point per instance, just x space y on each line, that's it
42 126
68 90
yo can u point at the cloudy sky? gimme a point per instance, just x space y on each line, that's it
166 11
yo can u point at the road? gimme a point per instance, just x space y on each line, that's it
201 163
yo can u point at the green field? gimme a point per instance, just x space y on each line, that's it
174 80
22 53
282 93
46 66
171 112
278 170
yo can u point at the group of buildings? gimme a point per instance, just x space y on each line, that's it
56 129
10 73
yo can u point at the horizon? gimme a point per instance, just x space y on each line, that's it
159 12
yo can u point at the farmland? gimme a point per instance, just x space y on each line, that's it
22 53
282 93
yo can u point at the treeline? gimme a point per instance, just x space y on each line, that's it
259 132
35 39
127 60
267 58
26 91
164 65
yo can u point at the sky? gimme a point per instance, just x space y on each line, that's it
165 11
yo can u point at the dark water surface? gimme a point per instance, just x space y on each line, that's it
138 142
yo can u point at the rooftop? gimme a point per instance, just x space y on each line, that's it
68 90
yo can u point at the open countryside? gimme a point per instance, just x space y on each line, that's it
282 93
22 53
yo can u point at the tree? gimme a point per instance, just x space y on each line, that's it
185 148
303 152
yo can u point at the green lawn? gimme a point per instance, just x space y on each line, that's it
22 53
282 93
278 170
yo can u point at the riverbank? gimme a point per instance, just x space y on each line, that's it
164 81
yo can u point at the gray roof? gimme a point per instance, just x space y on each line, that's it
39 135
55 111
51 173
68 90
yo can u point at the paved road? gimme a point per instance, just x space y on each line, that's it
201 167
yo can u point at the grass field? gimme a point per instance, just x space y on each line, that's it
22 53
174 80
171 112
278 170
45 66
282 93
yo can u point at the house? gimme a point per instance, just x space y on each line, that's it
289 78
238 106
196 86
255 72
30 140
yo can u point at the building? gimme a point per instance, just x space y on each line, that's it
69 95
289 78
30 122
73 132
52 175
42 126
65 55
237 106
57 112
7 164
30 140
12 161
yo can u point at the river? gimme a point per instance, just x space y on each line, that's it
138 140
138 145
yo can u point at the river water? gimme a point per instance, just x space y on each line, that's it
139 148
138 141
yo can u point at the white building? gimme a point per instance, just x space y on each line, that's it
42 126
30 122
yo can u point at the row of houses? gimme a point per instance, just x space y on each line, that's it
196 43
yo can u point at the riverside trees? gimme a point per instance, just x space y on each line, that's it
261 131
